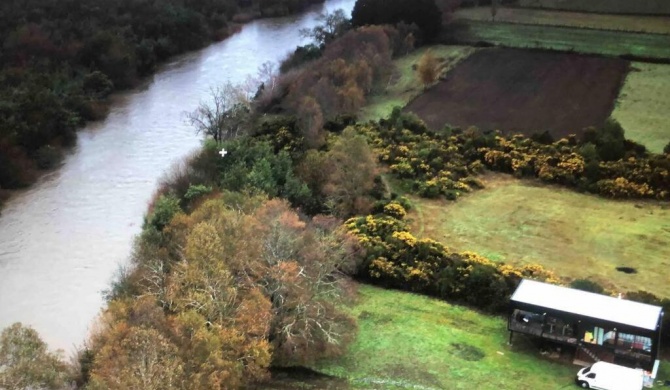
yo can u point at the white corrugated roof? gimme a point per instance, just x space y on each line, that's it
588 304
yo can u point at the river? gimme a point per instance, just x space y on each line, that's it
62 240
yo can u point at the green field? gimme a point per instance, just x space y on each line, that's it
643 106
575 235
611 43
633 23
653 7
404 84
407 341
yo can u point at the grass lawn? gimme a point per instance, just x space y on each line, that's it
643 107
407 341
633 23
636 7
610 43
404 84
576 235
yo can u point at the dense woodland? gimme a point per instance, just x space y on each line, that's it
60 60
245 260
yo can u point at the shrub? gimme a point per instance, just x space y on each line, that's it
427 69
196 191
403 201
395 210
300 56
48 157
393 257
166 207
609 140
587 285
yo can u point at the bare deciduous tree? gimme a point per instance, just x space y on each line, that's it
225 115
268 75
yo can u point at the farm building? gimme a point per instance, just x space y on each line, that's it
601 328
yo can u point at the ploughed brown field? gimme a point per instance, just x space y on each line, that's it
524 91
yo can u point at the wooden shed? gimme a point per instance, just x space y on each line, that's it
601 327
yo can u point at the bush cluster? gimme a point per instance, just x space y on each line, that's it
446 163
394 258
433 164
568 163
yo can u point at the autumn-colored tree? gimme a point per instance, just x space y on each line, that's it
311 122
352 97
223 326
242 283
137 358
202 281
221 356
304 263
26 363
428 68
339 81
352 177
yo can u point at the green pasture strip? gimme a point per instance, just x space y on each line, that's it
643 105
404 84
408 341
587 41
625 23
637 7
576 235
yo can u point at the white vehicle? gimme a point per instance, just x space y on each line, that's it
608 376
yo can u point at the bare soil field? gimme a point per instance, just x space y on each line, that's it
524 91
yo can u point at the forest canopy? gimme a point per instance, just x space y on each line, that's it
60 59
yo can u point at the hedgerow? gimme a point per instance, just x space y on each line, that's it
447 163
394 258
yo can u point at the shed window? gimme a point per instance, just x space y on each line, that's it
631 341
